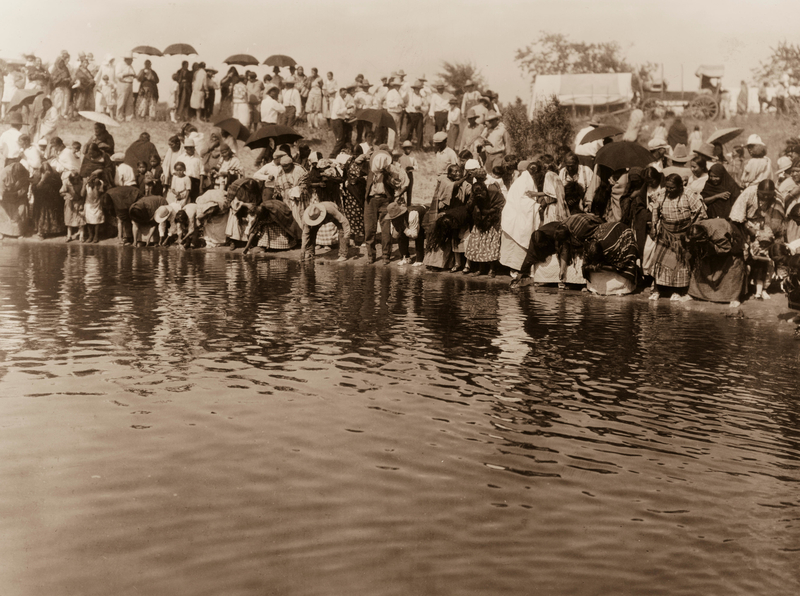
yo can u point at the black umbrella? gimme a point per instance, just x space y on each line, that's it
279 133
280 60
601 132
624 154
378 118
177 49
234 128
242 60
22 97
147 50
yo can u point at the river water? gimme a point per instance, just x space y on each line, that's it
203 424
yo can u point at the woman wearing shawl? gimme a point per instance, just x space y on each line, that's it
147 99
48 205
226 92
97 159
61 81
720 192
46 121
197 101
719 274
678 133
483 243
84 92
673 213
439 247
142 149
324 183
314 103
273 227
792 204
517 221
101 135
244 195
14 182
353 192
610 260
184 80
743 99
634 126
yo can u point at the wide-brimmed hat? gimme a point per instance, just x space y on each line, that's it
395 210
469 83
680 153
784 163
492 116
440 137
278 153
188 143
42 141
407 144
118 157
15 118
453 100
754 139
285 160
594 123
401 73
657 143
289 80
314 215
471 113
705 150
523 165
417 84
270 87
366 84
163 213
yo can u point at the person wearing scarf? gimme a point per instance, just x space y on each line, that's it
678 133
61 81
14 183
483 243
720 192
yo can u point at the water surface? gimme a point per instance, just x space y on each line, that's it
203 424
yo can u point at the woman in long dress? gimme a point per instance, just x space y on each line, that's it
354 189
14 182
48 205
314 104
719 272
674 212
241 109
445 197
483 243
719 192
226 86
147 99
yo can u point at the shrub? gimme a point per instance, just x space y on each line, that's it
550 128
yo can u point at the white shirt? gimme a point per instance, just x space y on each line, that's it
439 103
31 159
268 173
125 175
291 97
270 109
394 101
339 108
9 143
194 166
414 102
125 73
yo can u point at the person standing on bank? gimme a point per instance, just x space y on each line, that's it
125 76
342 110
292 102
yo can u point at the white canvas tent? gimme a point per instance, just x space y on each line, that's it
584 90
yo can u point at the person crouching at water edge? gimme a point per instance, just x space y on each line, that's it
314 217
406 222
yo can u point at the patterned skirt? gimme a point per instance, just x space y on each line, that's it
274 238
484 247
354 211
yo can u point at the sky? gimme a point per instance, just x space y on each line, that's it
375 37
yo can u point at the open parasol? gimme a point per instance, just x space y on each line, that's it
724 135
280 60
101 118
22 97
234 128
242 60
147 50
600 133
379 118
623 154
278 132
178 49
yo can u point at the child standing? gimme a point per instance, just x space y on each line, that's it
74 218
108 94
180 187
93 210
409 163
157 171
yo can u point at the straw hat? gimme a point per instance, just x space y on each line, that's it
163 213
492 116
314 215
680 154
118 157
657 143
706 150
440 137
472 164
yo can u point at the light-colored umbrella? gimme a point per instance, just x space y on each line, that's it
98 117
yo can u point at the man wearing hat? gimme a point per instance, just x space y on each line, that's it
407 222
271 108
124 175
496 140
471 96
680 157
125 76
395 105
269 173
587 149
289 187
414 114
292 102
314 217
342 110
445 156
378 195
362 100
658 147
143 213
440 106
194 167
9 140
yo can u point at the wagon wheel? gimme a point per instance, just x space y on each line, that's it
704 107
650 107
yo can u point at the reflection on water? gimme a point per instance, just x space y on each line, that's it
202 423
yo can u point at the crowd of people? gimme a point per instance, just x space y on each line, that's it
696 222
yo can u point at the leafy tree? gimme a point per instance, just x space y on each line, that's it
455 74
550 128
554 53
785 58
